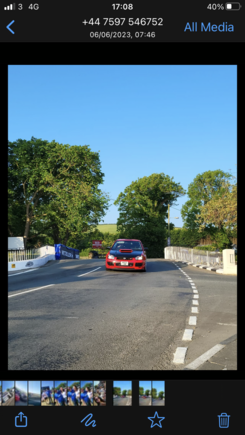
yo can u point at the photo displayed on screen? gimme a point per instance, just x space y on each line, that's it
60 393
47 393
21 393
158 393
8 393
99 393
87 393
122 183
34 393
73 393
145 393
0 393
122 393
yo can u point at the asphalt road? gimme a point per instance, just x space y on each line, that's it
145 402
122 401
158 402
112 320
34 400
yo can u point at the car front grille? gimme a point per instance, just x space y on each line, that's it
138 264
122 257
109 263
119 264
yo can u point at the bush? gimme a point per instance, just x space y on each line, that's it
206 248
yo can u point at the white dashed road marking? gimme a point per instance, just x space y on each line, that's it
179 356
195 291
187 334
28 291
194 309
192 320
196 296
90 271
194 302
21 272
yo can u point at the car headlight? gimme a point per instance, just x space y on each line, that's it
140 257
111 257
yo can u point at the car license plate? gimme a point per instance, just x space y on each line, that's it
124 263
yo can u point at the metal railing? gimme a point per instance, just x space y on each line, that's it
23 255
195 256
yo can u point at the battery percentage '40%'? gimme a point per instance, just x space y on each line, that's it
215 6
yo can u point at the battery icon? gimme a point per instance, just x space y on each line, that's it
233 6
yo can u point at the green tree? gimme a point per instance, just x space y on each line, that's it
154 393
58 187
147 393
141 391
221 212
124 393
203 188
161 395
143 208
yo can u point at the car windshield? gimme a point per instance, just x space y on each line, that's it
123 244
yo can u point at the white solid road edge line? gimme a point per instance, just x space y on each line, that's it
204 357
28 291
22 272
90 271
179 355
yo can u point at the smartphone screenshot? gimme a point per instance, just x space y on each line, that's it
121 290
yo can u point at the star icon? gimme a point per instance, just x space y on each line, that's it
152 420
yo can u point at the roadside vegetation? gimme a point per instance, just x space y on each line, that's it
54 197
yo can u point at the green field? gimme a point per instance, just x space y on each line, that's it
107 228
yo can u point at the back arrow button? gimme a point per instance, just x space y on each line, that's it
8 27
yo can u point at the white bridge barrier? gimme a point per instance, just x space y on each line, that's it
47 253
194 256
224 261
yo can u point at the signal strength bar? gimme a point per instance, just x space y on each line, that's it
10 7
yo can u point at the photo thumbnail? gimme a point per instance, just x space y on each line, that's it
122 393
145 393
99 393
73 394
47 391
8 393
34 393
158 393
60 393
20 393
87 392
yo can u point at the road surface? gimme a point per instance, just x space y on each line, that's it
76 315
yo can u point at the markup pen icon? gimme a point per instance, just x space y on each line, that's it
20 420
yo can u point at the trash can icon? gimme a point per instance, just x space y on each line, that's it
223 420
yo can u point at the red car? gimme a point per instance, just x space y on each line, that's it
17 397
126 254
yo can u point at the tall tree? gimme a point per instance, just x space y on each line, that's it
58 186
143 209
221 210
203 188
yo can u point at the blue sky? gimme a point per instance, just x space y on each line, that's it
124 385
159 385
145 384
144 119
7 384
34 387
21 385
49 384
